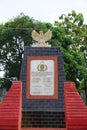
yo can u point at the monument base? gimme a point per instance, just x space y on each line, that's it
43 129
43 119
43 109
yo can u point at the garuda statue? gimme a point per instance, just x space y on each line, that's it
41 38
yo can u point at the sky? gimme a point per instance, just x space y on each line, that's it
42 10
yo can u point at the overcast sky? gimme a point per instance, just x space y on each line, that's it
43 10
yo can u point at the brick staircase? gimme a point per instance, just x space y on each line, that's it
75 109
10 109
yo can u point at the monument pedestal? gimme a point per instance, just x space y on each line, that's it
42 75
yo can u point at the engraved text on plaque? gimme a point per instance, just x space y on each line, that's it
42 77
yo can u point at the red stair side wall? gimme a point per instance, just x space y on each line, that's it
10 109
75 109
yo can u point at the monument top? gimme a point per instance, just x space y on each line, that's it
41 38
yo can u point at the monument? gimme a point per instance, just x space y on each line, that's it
42 75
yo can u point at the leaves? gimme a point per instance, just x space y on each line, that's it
69 33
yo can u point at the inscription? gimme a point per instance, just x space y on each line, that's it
42 79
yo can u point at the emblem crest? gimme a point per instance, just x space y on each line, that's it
42 67
41 38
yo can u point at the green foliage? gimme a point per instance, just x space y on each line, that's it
14 35
74 48
5 83
69 33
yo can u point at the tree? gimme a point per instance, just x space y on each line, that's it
14 35
73 47
69 33
83 48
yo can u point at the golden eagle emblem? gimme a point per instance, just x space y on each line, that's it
41 37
